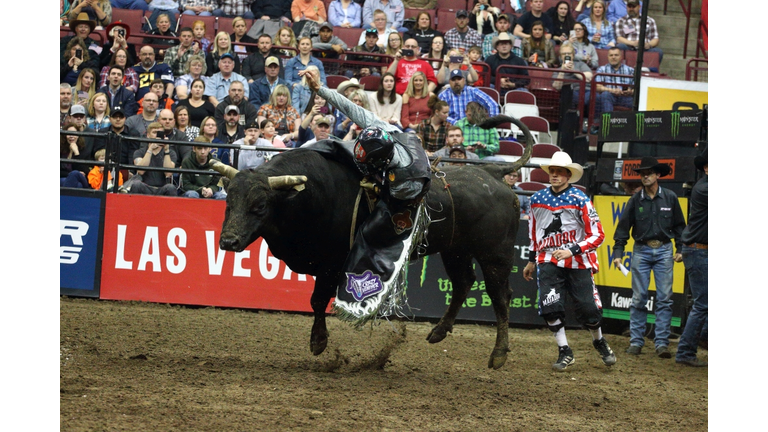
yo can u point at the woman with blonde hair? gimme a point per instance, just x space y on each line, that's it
280 111
415 102
194 68
302 93
98 113
240 28
85 87
597 25
222 44
360 98
286 38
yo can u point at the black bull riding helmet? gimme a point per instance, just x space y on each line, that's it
374 149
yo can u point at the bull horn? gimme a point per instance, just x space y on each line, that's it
223 169
287 182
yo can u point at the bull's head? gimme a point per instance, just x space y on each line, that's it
250 196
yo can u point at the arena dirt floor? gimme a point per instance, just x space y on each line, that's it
128 366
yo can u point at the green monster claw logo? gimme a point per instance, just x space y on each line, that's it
675 124
639 124
605 128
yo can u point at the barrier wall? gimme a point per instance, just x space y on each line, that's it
162 249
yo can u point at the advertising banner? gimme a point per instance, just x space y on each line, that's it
80 216
628 126
664 94
166 250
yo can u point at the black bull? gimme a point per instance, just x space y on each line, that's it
302 204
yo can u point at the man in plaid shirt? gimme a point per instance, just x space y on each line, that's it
628 30
459 95
613 90
197 7
234 8
463 37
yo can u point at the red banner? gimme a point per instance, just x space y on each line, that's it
166 250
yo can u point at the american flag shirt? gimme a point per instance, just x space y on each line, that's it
565 220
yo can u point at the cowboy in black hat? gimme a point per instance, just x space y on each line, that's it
655 218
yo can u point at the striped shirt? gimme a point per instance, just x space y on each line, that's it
565 220
458 103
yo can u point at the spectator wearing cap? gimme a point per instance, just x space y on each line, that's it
394 11
457 152
405 66
148 70
369 44
77 115
460 94
628 30
117 119
229 131
454 138
345 13
463 37
99 11
250 158
236 97
618 10
380 26
263 87
82 26
254 66
218 84
195 185
319 124
525 22
503 25
328 44
504 56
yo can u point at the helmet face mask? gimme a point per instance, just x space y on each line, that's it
373 150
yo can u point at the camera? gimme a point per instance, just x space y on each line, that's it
567 58
121 32
408 52
483 7
79 53
160 134
456 59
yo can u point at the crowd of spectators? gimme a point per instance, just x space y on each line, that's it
252 74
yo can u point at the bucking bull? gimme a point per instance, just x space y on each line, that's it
302 204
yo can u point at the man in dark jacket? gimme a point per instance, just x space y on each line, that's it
117 94
200 185
262 87
254 65
504 56
236 97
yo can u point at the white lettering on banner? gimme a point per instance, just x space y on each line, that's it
181 235
76 230
287 275
215 255
120 262
150 251
269 266
239 271
625 302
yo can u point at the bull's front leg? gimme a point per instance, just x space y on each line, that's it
325 288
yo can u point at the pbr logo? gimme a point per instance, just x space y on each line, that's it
359 152
364 285
402 222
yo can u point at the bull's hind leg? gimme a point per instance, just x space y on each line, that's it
459 270
321 296
496 276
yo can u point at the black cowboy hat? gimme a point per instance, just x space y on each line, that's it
700 161
650 162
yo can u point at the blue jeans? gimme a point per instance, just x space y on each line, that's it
696 266
606 100
129 4
644 260
220 13
204 13
218 195
75 179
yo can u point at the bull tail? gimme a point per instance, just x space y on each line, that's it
500 171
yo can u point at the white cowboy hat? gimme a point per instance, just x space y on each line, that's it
561 159
352 82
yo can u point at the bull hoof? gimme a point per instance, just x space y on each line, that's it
498 358
437 334
318 344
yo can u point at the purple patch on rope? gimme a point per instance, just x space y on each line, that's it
365 285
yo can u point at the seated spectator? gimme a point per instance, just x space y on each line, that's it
360 98
382 31
562 21
385 103
155 155
98 113
369 45
569 64
460 94
598 26
505 56
198 7
613 90
583 50
148 70
210 130
319 108
158 87
405 66
136 125
537 49
194 68
130 4
117 127
163 28
254 65
484 142
284 116
167 119
65 101
437 50
319 124
200 185
261 89
233 8
457 152
416 102
420 4
118 94
424 32
96 176
434 130
394 44
117 38
523 27
394 12
230 131
286 38
309 10
218 84
198 30
130 77
82 27
449 65
483 17
628 31
238 36
454 138
328 46
198 106
274 10
252 158
475 56
584 9
178 55
301 93
618 10
221 45
525 201
344 123
181 114
236 96
345 13
301 61
270 134
76 58
85 87
503 25
72 147
462 37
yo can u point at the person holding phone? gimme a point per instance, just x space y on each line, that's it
406 64
117 38
76 58
583 50
483 17
155 154
455 60
569 63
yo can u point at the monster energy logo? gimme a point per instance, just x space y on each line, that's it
675 124
605 128
639 124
